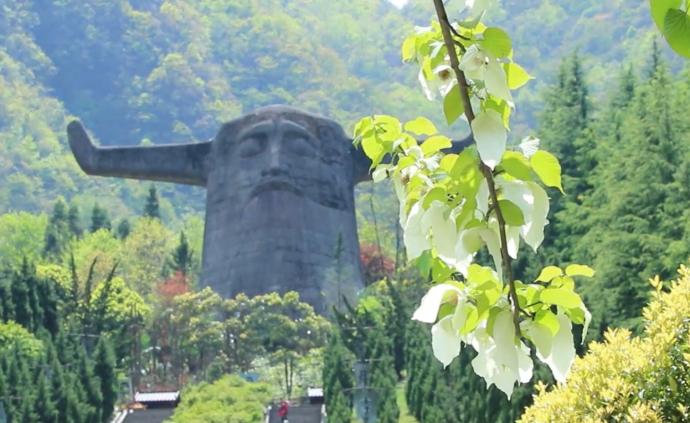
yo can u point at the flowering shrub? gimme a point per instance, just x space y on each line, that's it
630 379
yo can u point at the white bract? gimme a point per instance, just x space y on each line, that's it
451 207
490 136
480 66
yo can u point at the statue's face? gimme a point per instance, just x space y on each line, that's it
283 153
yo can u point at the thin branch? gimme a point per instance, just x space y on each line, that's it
506 261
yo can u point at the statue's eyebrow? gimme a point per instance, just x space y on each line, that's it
259 128
294 127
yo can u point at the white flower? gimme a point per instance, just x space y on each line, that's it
501 359
557 351
481 66
441 80
490 136
532 200
445 340
432 300
529 146
473 62
415 238
437 219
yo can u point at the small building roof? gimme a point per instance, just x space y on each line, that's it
315 392
148 397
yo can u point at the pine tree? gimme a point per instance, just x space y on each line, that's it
152 208
381 370
182 258
104 368
62 394
49 303
338 379
73 221
99 219
123 229
636 217
57 232
90 383
565 131
23 313
6 301
45 407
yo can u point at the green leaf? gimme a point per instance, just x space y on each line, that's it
364 128
447 162
660 8
579 270
373 149
501 107
435 194
677 31
549 320
548 169
497 42
577 315
471 319
516 165
511 213
421 126
561 297
548 273
409 49
436 143
423 263
453 106
440 271
517 75
405 162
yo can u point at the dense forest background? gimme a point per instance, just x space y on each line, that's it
608 100
170 71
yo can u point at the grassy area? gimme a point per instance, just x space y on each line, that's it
405 416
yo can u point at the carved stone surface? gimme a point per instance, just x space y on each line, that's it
280 200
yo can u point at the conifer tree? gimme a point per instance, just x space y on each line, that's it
338 379
90 383
45 408
49 303
123 229
57 232
152 207
565 130
21 293
182 258
99 219
104 369
73 221
634 219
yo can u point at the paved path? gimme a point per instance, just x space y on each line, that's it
306 413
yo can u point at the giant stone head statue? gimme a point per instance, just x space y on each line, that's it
280 203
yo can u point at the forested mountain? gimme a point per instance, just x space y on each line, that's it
607 100
170 71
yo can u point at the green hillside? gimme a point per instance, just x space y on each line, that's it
170 71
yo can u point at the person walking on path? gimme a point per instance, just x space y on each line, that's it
283 411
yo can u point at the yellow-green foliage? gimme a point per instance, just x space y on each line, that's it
630 379
14 337
227 400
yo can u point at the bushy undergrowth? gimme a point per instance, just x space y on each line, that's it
630 379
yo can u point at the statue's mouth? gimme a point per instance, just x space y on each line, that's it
275 184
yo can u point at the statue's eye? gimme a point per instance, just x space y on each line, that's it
251 145
300 144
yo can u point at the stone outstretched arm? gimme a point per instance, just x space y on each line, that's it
182 164
362 162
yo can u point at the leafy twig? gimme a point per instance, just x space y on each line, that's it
506 261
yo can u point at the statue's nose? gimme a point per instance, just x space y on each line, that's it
274 166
